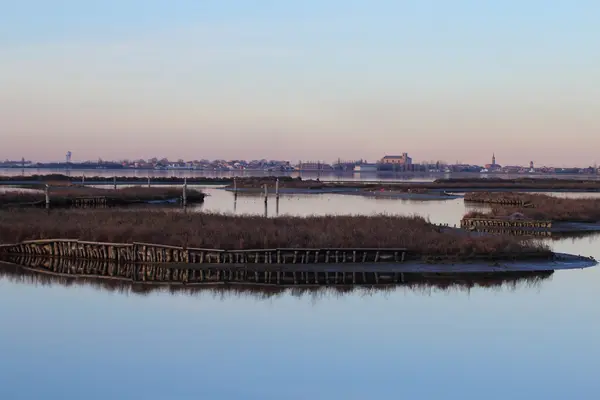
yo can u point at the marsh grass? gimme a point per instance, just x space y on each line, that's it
544 207
62 194
255 232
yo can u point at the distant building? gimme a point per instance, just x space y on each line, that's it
493 166
404 159
365 167
314 166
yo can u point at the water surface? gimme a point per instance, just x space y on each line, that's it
514 341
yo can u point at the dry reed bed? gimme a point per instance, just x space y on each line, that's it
64 179
255 232
544 207
520 183
501 198
288 182
134 194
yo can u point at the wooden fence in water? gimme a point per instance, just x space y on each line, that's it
503 202
155 253
475 223
514 232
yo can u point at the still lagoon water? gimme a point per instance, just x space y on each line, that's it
532 340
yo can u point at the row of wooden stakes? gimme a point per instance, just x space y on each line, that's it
506 223
161 274
155 253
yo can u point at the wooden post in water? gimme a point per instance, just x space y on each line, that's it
148 179
47 194
184 192
266 200
115 182
277 196
83 179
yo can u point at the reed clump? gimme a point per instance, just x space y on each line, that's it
543 207
506 198
63 194
255 232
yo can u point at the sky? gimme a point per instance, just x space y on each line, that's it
306 80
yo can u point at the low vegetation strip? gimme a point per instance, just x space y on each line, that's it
520 183
541 207
64 179
543 183
65 195
199 230
504 198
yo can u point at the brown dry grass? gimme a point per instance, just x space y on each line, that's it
59 194
247 232
495 197
545 208
520 183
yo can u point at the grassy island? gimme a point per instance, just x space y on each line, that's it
537 207
421 239
546 184
69 195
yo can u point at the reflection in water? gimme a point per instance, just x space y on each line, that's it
31 273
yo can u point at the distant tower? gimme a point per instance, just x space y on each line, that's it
494 159
68 157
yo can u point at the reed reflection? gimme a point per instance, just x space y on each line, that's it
260 285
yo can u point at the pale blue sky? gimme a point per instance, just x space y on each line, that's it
449 80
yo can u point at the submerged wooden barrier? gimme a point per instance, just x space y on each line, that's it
155 253
514 232
504 202
189 275
89 202
470 223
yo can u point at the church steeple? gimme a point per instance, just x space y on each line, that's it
494 159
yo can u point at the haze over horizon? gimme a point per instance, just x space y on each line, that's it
309 80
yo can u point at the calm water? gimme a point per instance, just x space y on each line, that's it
524 341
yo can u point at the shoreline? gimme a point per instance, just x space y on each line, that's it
548 184
190 257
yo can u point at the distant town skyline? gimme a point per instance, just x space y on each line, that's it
318 80
68 157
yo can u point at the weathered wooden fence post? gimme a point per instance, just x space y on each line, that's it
266 200
185 192
148 180
47 194
266 193
277 196
115 182
83 179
